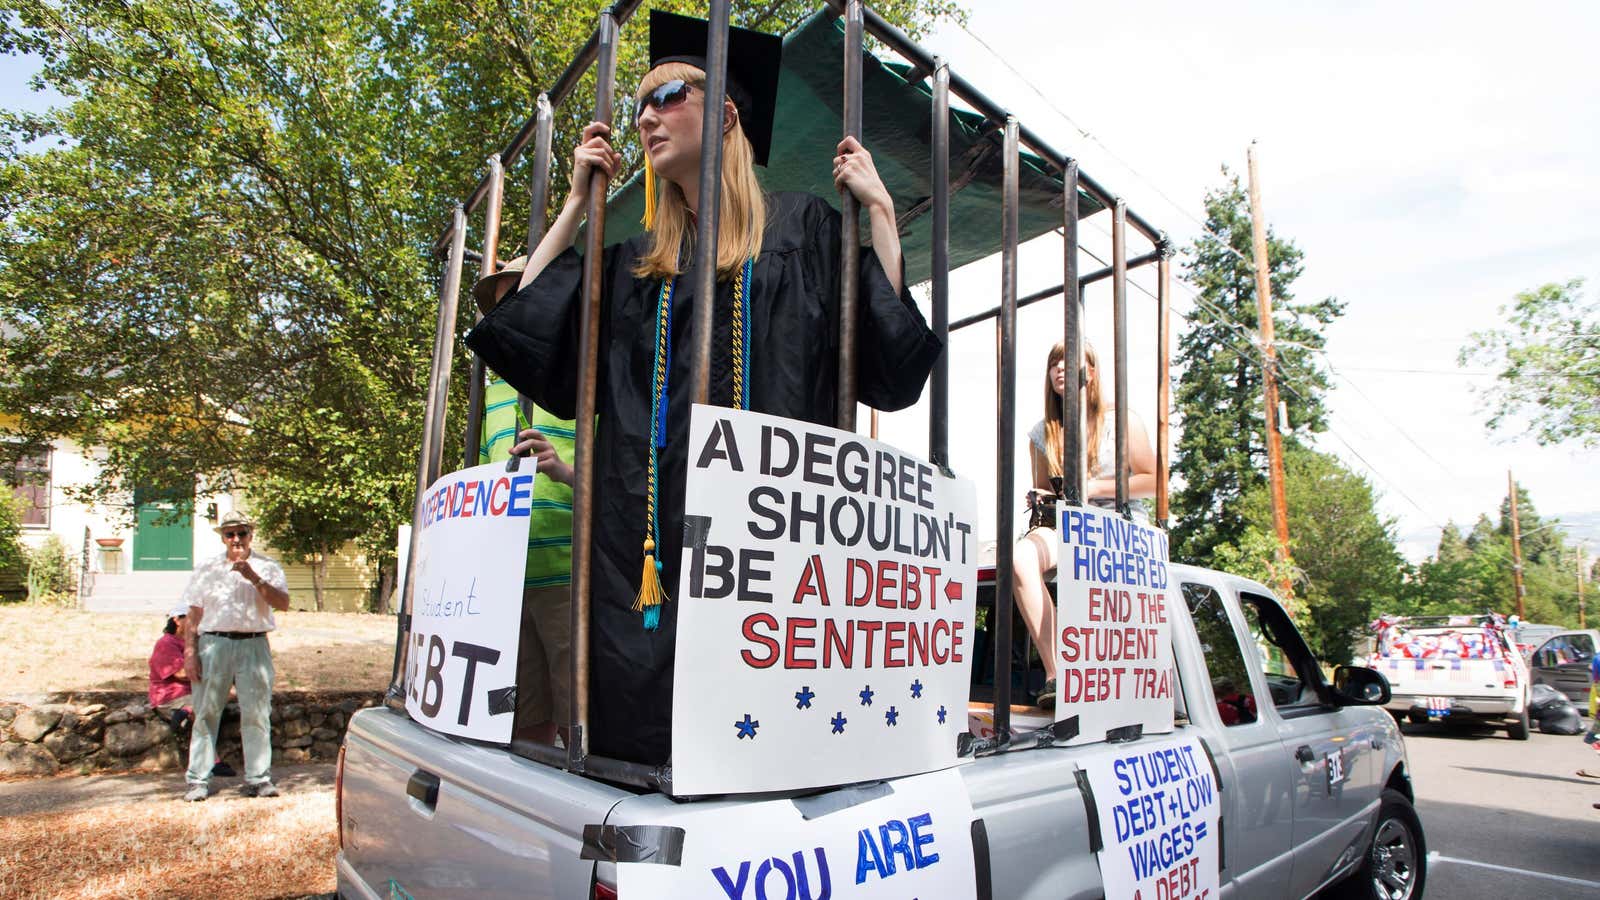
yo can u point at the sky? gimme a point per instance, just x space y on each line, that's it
1431 160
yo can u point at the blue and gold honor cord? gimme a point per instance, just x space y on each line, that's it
651 593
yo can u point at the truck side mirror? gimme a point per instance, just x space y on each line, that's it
1360 686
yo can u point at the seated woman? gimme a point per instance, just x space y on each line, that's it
1035 554
774 342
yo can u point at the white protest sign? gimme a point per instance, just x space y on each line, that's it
1113 636
1159 812
915 842
825 609
461 668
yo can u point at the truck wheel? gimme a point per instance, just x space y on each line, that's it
1518 729
1395 866
1418 717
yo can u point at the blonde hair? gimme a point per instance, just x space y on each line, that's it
743 215
1094 408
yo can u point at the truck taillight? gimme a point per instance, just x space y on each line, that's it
603 892
338 794
1511 681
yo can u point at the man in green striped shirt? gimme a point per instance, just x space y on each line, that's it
544 658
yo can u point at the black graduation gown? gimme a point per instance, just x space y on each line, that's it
531 340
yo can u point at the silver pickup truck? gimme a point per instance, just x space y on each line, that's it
1315 786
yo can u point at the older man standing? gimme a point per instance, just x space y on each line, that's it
231 598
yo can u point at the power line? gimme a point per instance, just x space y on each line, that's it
1220 315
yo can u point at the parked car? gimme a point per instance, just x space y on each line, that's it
1562 661
1527 636
1454 669
422 814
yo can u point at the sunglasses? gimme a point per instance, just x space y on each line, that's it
230 535
663 98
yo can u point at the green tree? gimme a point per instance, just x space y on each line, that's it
1549 361
1345 561
215 256
1221 453
1474 574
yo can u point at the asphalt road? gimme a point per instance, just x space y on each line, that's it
1504 818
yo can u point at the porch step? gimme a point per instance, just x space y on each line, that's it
135 591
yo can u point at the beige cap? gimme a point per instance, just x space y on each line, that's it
487 289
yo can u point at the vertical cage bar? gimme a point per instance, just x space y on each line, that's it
583 451
1072 436
539 200
1163 382
1005 435
850 225
1119 311
473 439
709 200
432 449
939 386
543 130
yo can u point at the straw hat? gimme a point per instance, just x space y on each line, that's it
234 518
487 289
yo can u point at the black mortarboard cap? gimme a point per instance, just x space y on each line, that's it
754 60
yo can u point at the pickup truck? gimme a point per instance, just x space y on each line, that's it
1315 787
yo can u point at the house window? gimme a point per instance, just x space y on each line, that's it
31 486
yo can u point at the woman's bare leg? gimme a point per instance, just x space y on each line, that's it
1035 555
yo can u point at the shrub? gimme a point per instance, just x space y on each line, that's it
50 574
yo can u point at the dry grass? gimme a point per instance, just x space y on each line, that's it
52 650
225 847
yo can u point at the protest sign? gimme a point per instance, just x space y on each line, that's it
1113 636
825 608
1159 813
466 601
916 841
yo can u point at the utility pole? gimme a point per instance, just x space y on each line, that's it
1516 547
1269 378
1583 572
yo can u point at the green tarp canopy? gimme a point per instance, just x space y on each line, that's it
897 130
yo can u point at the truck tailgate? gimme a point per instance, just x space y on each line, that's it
499 825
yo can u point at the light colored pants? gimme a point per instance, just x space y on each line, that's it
246 665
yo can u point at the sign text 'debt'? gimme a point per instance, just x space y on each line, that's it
1113 641
461 665
826 591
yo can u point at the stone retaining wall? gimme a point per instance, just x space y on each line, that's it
108 731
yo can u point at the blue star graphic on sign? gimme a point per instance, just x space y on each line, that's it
892 717
866 695
747 728
941 715
838 722
802 697
916 689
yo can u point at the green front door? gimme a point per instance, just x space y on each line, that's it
163 539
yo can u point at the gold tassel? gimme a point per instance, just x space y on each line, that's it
651 594
649 219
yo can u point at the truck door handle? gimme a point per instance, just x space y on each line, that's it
424 786
1304 754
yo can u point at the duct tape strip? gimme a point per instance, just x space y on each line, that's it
658 844
1065 730
819 805
1215 772
1090 810
1222 834
1124 734
696 531
980 861
503 700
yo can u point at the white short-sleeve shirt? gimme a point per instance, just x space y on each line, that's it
229 602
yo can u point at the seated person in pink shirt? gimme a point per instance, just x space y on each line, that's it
169 684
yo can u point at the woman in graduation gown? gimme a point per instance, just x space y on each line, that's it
774 343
